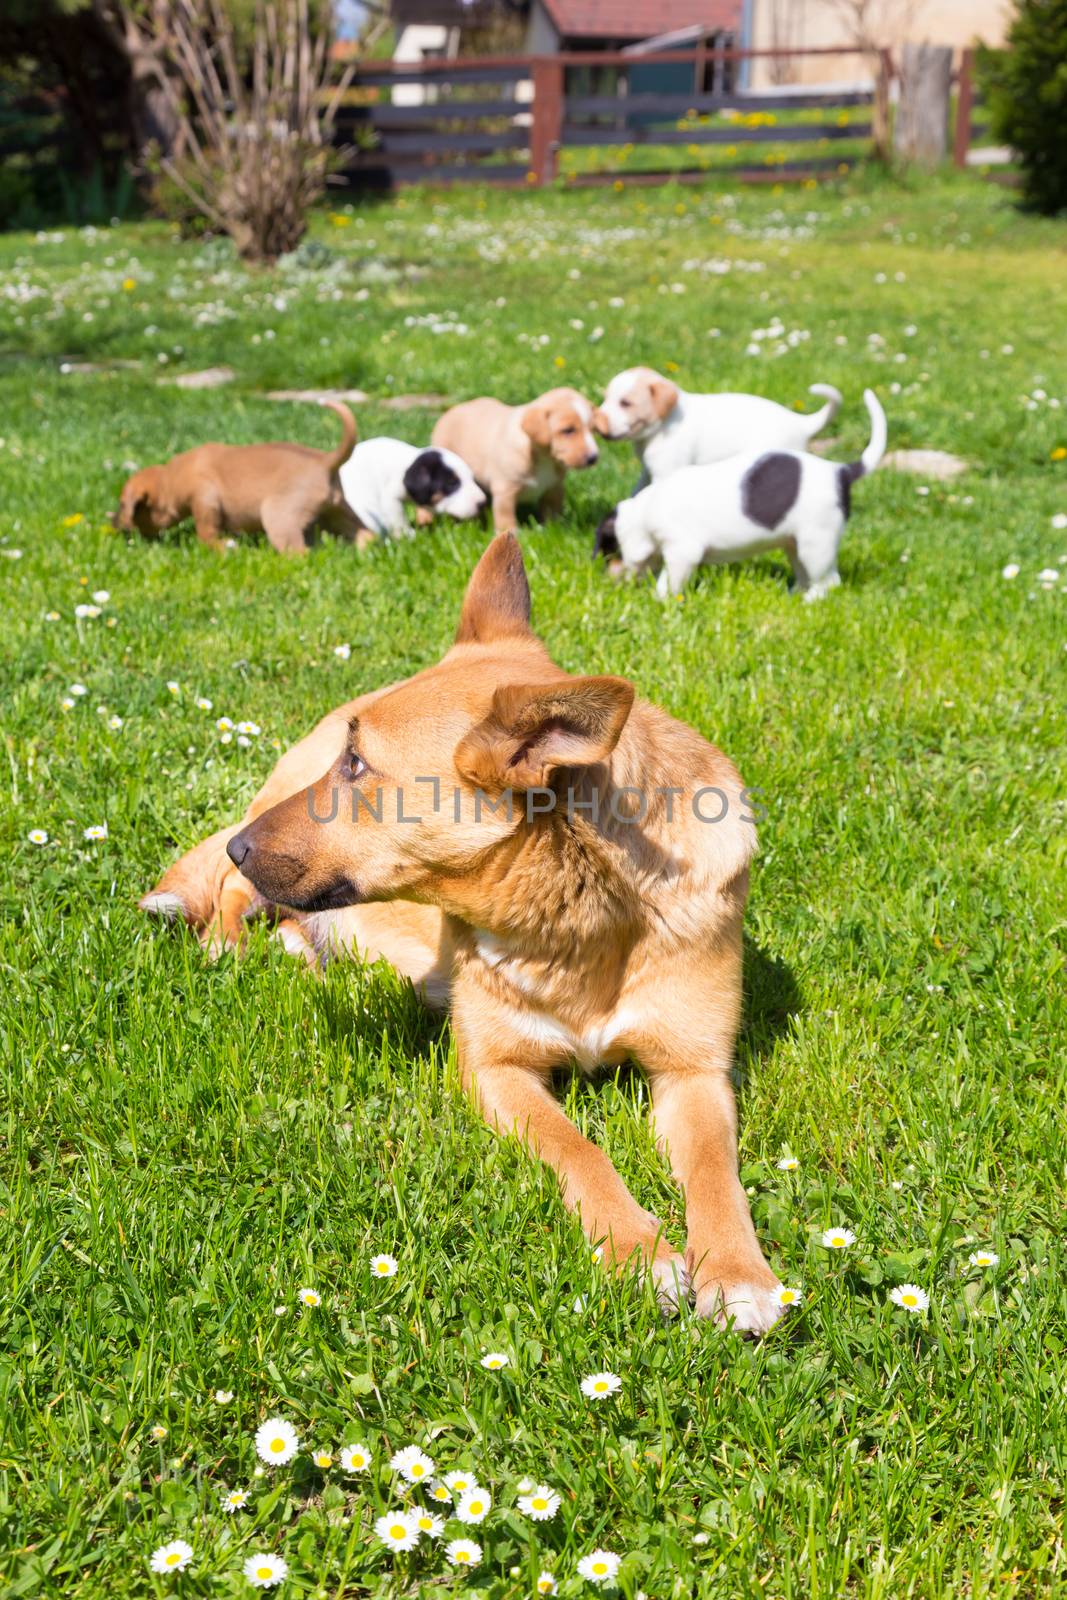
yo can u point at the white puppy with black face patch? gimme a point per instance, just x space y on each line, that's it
382 474
672 429
761 500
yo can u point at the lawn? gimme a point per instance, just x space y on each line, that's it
186 1146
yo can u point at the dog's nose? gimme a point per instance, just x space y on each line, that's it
239 849
592 457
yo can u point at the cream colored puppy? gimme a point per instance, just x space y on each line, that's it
521 453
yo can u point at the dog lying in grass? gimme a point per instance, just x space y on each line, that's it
521 454
285 489
671 429
562 864
763 500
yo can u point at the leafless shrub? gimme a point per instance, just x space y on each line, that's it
253 135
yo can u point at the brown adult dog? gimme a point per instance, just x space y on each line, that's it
521 453
596 917
285 489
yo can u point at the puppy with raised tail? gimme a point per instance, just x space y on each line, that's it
762 500
285 489
381 475
521 453
671 429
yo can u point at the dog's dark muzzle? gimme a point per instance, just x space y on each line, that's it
284 879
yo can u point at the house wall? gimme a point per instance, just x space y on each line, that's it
796 23
542 39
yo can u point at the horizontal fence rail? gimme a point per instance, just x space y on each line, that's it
513 119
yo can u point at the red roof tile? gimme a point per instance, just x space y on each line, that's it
639 19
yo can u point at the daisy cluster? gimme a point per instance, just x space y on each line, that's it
449 1514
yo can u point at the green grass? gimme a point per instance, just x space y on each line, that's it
184 1146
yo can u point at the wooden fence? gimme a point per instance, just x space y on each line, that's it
969 126
508 119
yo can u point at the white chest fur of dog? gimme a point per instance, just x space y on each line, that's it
736 508
381 475
671 428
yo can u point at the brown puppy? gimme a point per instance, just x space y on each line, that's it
285 489
521 453
567 867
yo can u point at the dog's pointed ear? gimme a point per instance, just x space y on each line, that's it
533 730
497 602
664 395
535 422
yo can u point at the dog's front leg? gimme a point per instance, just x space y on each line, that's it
505 510
516 1098
696 1122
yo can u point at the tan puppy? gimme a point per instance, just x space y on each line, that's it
567 866
285 489
521 453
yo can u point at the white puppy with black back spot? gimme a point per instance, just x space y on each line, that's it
382 475
671 429
761 500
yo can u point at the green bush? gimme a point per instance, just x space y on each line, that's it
1025 86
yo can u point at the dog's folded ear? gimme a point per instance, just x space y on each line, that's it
533 730
535 423
497 602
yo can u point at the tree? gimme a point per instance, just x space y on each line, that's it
1025 86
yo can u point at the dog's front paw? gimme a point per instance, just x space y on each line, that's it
749 1305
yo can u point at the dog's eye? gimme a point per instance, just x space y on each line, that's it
626 404
568 430
354 767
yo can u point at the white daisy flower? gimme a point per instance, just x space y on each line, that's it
355 1458
173 1557
980 1258
542 1504
263 1571
277 1441
224 725
788 1164
101 596
525 1485
1048 575
398 1530
474 1506
77 690
1011 570
51 616
788 1297
114 723
438 1491
322 1459
242 742
701 1538
413 1464
494 1361
463 1553
910 1297
37 836
279 1311
342 651
459 1482
309 1297
383 1266
175 688
546 1583
234 1500
430 1525
1060 519
86 611
600 1567
158 1431
203 703
838 1238
223 1397
66 704
251 729
225 738
600 1384
96 831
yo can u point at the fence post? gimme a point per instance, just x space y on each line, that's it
964 106
547 128
921 131
880 106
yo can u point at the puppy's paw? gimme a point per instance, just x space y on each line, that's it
749 1306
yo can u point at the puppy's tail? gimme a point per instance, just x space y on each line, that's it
822 419
876 448
349 435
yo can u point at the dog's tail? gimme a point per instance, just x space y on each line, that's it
349 435
876 447
822 419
